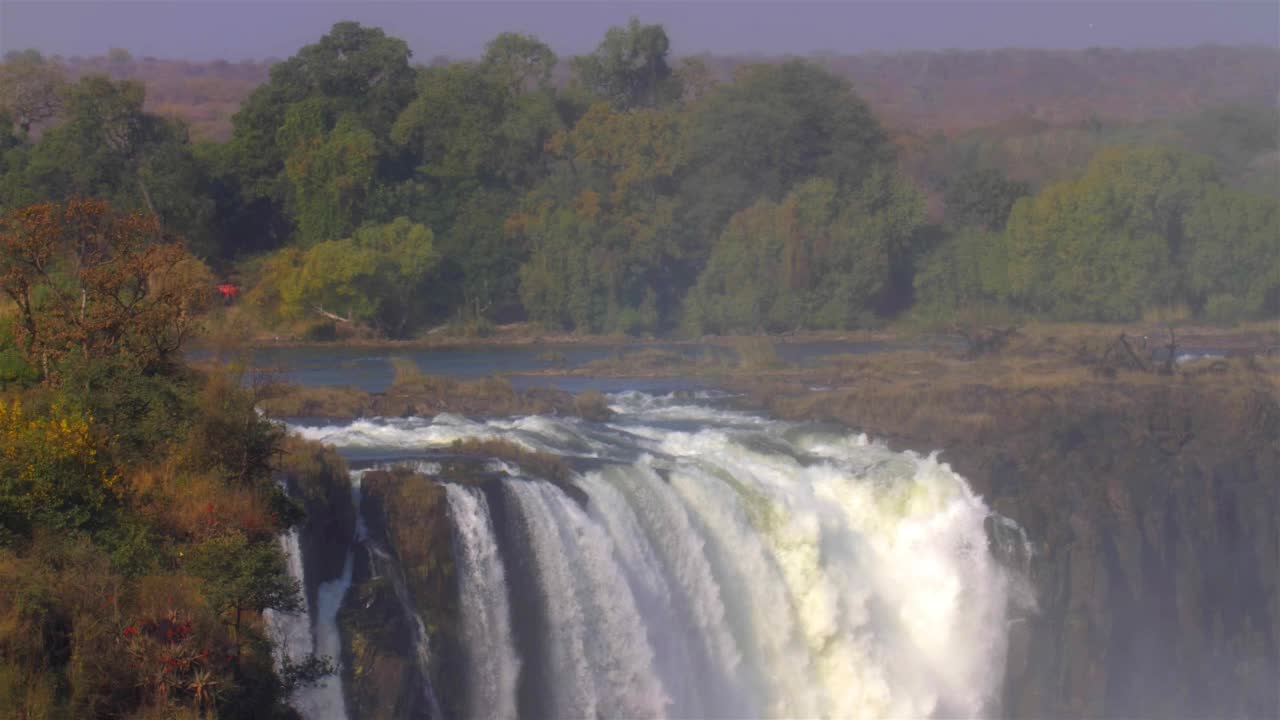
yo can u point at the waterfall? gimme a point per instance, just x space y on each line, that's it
290 632
299 635
723 565
492 664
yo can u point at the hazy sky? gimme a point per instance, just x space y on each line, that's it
236 29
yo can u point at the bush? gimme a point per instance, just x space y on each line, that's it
14 368
145 411
1225 309
55 472
228 435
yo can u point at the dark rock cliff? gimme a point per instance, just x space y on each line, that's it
317 479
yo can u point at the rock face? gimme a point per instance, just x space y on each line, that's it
399 621
1151 503
318 480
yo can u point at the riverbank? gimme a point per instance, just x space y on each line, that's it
1246 337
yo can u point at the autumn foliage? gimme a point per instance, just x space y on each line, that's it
90 281
53 470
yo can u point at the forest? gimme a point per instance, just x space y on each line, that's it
359 192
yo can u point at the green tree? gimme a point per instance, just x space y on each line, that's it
629 68
983 199
1233 265
601 232
774 126
377 276
1109 244
243 576
109 147
332 175
966 273
521 63
30 89
354 73
818 259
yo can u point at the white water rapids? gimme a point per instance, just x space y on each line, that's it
724 565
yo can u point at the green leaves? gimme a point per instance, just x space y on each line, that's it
1108 245
983 199
1233 262
376 276
818 259
629 68
30 89
241 575
332 175
775 126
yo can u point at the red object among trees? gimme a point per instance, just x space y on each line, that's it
227 290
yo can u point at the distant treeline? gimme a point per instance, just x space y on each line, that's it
637 194
948 91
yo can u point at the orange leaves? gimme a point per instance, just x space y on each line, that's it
90 280
199 507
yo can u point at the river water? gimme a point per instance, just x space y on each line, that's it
723 565
370 369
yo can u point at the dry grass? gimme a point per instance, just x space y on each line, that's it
1043 378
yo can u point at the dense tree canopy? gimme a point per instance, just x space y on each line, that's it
30 89
774 126
1107 245
629 68
91 282
817 259
983 198
619 193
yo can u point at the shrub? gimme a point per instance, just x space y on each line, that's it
228 435
1225 309
54 471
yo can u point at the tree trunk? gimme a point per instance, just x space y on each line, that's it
146 198
332 316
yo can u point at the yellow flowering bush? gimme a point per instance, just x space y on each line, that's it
53 471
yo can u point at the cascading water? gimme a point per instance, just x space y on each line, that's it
492 663
299 635
722 565
290 632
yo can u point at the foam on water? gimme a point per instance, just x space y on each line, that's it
728 565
